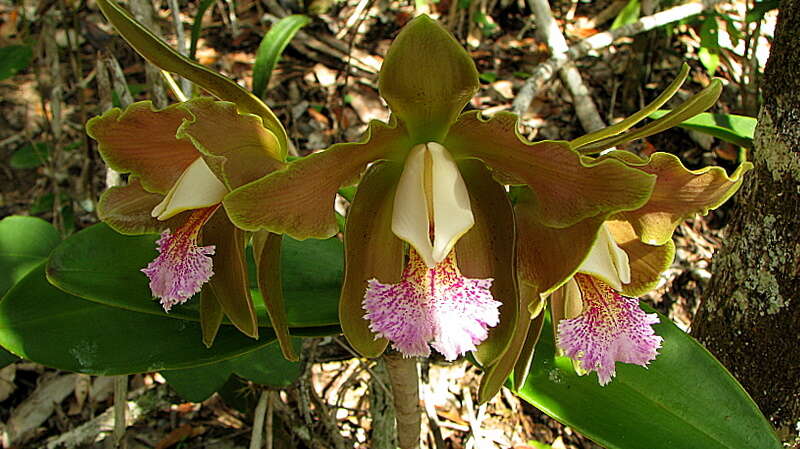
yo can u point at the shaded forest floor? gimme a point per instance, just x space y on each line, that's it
325 90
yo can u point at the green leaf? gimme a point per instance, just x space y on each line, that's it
197 26
696 104
103 266
30 156
685 398
756 14
709 44
736 129
629 14
638 116
271 47
46 325
265 366
14 58
162 55
24 243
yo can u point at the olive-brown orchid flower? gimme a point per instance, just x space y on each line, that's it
182 161
434 180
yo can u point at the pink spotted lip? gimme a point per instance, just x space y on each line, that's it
612 328
432 307
181 268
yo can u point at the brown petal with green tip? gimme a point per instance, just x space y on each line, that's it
298 200
141 140
237 147
547 257
525 359
487 251
427 78
371 252
267 254
565 189
647 262
127 210
229 282
210 316
679 194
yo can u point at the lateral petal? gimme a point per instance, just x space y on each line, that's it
298 200
372 252
127 210
647 262
141 140
565 188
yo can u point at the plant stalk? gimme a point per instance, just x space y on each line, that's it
404 377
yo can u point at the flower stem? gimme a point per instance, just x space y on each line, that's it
404 377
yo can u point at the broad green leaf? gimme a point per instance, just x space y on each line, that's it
265 366
271 47
638 116
24 243
629 14
103 266
696 104
31 155
49 326
709 44
162 55
14 58
685 399
736 129
197 26
6 358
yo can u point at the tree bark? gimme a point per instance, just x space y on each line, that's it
750 317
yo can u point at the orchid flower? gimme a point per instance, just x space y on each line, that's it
596 317
434 181
182 161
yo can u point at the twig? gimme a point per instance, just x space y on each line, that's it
433 418
143 11
405 386
544 71
581 98
258 420
120 410
180 37
268 435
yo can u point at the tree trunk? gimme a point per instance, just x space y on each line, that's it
750 317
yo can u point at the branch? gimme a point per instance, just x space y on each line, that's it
545 71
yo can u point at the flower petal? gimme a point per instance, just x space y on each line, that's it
127 210
432 305
197 188
230 281
182 267
141 140
162 55
427 78
679 194
267 254
244 152
547 257
607 261
647 262
431 195
566 189
612 328
298 200
210 316
487 251
372 251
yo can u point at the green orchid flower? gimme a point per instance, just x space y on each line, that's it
182 161
433 179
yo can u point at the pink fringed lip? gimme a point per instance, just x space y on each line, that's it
432 307
611 328
181 268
